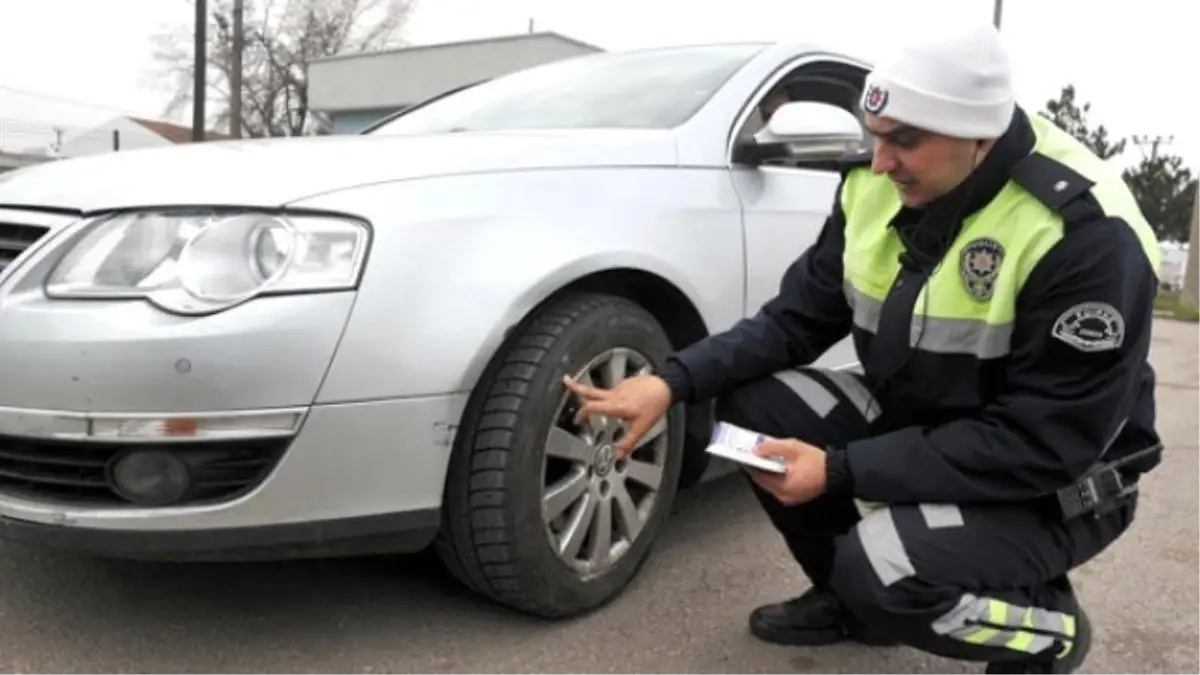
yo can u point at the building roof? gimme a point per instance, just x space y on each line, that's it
396 78
17 160
175 133
462 44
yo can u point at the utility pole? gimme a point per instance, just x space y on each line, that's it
997 10
200 70
1191 282
235 85
1191 275
1142 142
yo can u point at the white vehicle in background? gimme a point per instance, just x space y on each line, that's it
1174 264
355 344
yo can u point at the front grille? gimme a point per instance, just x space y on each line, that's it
76 472
14 239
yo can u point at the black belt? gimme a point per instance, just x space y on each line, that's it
1103 489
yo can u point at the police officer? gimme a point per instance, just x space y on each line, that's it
998 281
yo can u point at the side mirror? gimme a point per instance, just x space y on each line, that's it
804 131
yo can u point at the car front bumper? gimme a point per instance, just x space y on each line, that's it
83 383
357 478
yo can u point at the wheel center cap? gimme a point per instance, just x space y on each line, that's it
603 462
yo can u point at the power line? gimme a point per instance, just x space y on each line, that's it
63 99
23 136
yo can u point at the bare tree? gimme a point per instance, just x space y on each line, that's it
280 38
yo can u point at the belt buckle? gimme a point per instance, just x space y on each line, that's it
1089 493
1116 497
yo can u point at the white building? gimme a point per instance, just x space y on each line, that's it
354 90
128 133
1174 263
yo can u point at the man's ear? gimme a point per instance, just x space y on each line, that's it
982 148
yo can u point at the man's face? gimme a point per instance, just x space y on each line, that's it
922 165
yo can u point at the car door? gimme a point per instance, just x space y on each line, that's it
785 207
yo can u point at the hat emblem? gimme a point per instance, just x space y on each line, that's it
875 100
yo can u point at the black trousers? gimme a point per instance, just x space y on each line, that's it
970 582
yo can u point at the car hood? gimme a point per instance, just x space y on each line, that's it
273 172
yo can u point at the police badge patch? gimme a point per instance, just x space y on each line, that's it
980 264
875 99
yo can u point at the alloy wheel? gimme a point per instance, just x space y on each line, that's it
594 506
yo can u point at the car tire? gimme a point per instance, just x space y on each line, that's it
504 469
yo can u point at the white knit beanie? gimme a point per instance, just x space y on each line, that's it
959 85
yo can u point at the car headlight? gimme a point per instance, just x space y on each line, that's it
195 263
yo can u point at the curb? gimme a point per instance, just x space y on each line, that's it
1171 317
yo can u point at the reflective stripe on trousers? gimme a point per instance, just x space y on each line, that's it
976 620
988 621
821 400
881 540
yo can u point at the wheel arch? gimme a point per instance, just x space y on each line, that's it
669 304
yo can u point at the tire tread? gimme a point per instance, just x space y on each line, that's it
475 542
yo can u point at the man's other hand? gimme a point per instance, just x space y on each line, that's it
805 477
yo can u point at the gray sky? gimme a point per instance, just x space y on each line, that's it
1054 42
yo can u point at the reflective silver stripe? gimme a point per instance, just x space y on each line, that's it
987 621
813 393
937 335
881 542
969 608
856 392
941 515
961 336
866 309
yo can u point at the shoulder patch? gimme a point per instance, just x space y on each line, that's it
1090 327
1050 181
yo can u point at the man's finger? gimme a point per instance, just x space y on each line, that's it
770 482
597 407
785 449
637 429
773 484
581 389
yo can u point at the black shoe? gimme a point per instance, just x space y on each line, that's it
1050 662
815 618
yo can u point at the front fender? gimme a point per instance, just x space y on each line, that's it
458 261
551 280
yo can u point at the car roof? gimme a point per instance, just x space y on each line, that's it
784 47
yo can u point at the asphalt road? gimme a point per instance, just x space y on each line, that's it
686 613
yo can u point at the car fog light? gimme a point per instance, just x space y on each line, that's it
150 477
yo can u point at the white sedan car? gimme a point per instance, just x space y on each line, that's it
355 344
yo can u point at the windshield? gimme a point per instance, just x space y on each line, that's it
654 89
